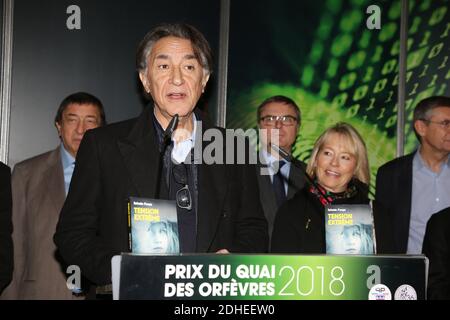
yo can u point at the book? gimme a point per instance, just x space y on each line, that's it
153 226
349 229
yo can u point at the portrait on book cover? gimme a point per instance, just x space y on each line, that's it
349 229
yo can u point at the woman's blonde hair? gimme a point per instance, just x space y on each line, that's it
356 146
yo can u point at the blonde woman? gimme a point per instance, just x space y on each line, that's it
340 170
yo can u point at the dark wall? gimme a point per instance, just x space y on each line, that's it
51 62
1 24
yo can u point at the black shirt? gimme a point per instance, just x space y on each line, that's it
187 219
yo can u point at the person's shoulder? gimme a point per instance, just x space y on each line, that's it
35 161
32 168
207 124
299 200
397 162
362 191
441 218
302 164
303 193
437 231
113 131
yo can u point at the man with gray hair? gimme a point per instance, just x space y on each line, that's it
413 187
219 210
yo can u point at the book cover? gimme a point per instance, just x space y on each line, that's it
349 229
153 226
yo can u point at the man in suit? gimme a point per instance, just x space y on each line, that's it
436 246
6 246
413 187
222 212
39 188
281 118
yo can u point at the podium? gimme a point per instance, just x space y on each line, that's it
269 277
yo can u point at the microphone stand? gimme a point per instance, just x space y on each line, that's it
286 156
167 135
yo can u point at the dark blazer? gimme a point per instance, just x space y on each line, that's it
436 246
6 247
121 160
393 193
296 181
300 222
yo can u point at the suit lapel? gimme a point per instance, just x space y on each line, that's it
212 187
211 194
267 195
404 205
51 194
140 153
54 176
296 180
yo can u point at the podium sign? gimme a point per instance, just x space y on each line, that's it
272 277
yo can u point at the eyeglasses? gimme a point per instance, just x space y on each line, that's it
183 196
445 124
285 120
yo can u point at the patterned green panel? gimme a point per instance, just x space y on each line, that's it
428 57
321 54
334 68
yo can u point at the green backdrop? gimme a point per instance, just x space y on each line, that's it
321 54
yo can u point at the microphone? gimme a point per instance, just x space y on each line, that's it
169 130
166 138
286 156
